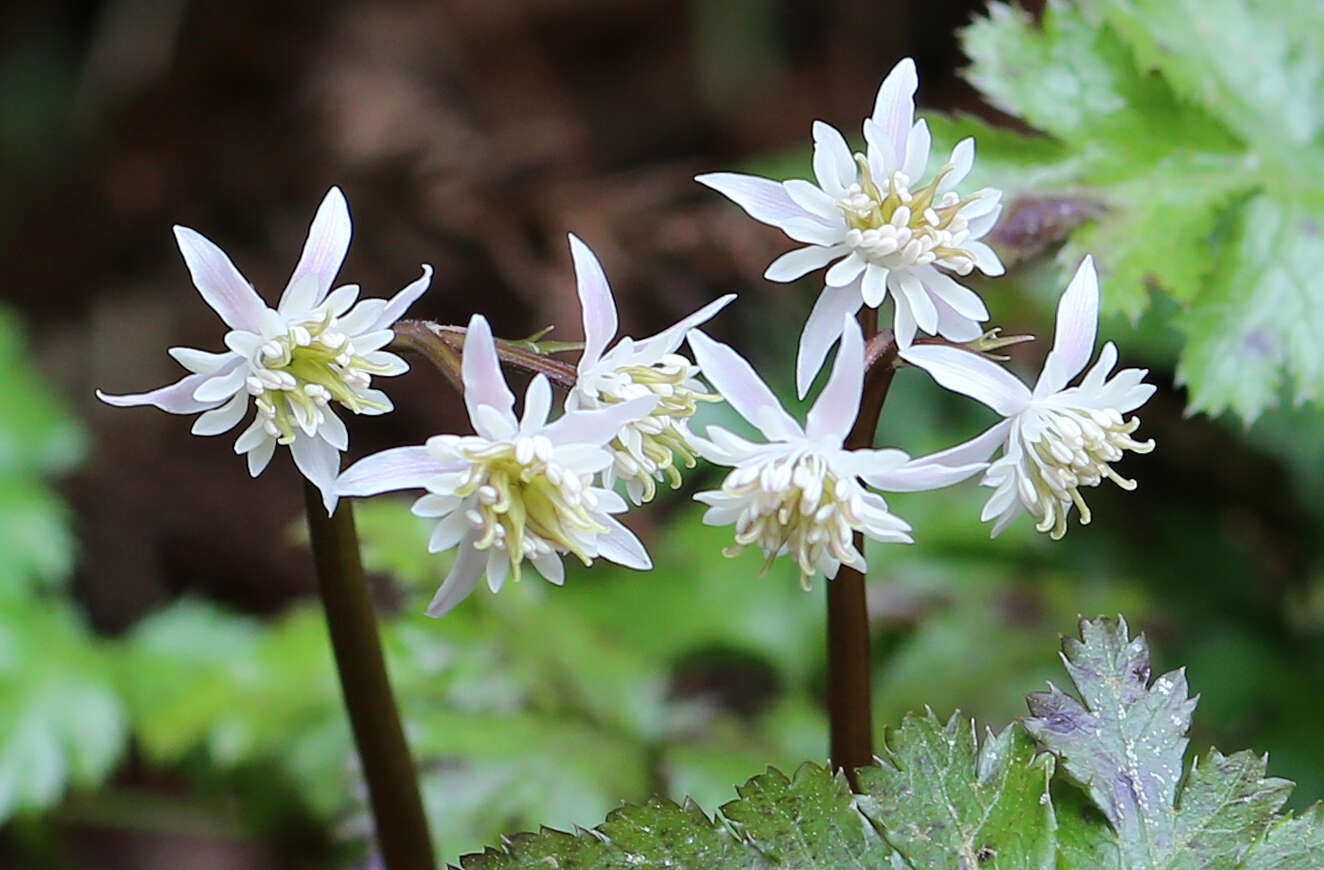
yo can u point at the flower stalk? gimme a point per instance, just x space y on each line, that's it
850 711
397 808
443 346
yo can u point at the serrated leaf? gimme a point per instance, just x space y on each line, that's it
1294 843
1226 804
943 800
1125 742
1257 329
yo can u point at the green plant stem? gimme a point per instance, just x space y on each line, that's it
397 809
444 346
850 712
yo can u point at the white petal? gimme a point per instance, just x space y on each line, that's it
481 372
845 271
200 361
1077 325
835 409
401 301
955 326
986 259
342 298
323 252
801 261
873 288
918 143
903 325
260 456
319 463
960 298
333 430
972 375
761 198
821 330
920 475
177 398
448 532
963 157
224 418
619 545
653 348
976 450
299 298
979 226
600 425
362 318
926 315
595 301
218 281
537 405
1099 371
464 575
221 386
550 567
894 110
834 167
498 566
812 199
397 468
742 388
251 437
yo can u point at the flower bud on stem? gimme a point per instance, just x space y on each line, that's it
850 714
397 810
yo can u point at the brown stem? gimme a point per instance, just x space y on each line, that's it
850 713
397 809
444 346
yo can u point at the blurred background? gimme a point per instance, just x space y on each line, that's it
166 695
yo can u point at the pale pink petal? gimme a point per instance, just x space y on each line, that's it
742 388
537 405
218 281
333 430
595 302
763 199
986 259
813 199
200 361
466 571
926 315
822 330
324 250
299 298
954 325
873 289
601 425
970 374
976 450
177 398
800 262
389 470
1077 324
653 348
903 325
260 456
550 567
401 301
481 372
319 463
221 385
894 110
498 566
920 475
835 409
834 166
960 298
845 271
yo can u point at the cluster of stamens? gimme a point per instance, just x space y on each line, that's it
520 499
294 377
647 449
1073 449
795 505
903 227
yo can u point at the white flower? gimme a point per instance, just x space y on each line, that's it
1055 439
644 450
799 494
316 350
518 490
884 230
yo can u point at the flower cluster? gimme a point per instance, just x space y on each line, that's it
523 492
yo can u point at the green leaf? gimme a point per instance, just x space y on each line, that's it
1257 329
1200 161
944 800
61 722
1294 843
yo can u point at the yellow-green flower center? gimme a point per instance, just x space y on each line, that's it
903 227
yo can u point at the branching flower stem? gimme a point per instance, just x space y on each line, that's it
850 718
397 809
443 346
